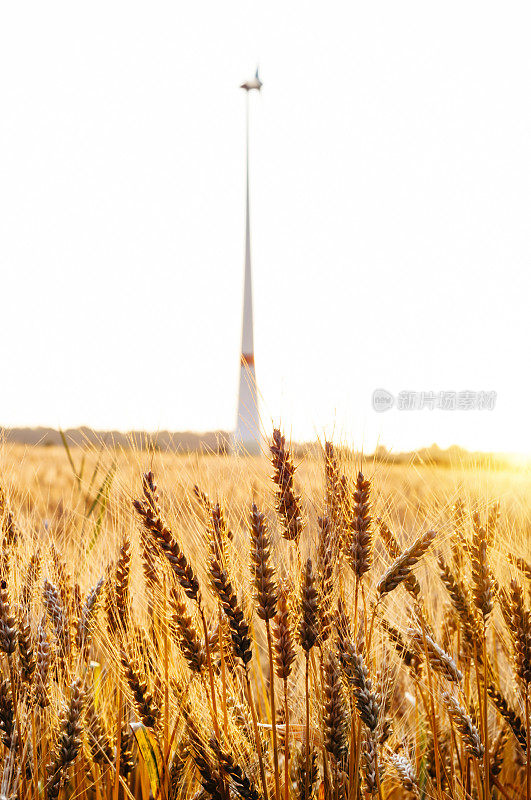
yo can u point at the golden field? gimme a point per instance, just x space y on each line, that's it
354 635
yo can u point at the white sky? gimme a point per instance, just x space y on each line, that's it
391 199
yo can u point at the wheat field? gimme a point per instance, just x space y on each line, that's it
309 627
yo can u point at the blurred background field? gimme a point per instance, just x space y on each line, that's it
81 493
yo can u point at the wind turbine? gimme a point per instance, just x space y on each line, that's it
247 433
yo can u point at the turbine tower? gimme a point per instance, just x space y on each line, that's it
247 434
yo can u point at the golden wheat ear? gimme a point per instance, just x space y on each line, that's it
394 551
69 742
439 661
239 627
86 621
187 635
304 778
263 573
326 568
145 706
285 653
357 675
461 603
336 717
463 723
406 773
360 547
337 491
372 771
401 568
288 501
150 516
510 716
482 581
520 630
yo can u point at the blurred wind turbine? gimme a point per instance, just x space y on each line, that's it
247 434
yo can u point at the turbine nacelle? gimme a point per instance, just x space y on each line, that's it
253 83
